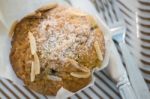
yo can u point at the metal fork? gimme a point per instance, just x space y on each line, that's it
110 13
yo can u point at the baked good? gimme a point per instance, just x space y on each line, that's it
56 46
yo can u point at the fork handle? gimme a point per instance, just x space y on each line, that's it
118 73
126 91
135 76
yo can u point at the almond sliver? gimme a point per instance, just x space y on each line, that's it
36 64
80 74
11 33
92 21
76 65
73 62
33 15
32 43
98 51
32 74
47 7
54 78
76 12
84 69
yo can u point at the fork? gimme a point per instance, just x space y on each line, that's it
112 17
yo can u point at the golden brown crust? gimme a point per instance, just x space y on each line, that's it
60 35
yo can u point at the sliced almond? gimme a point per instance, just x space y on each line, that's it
32 74
76 65
91 20
84 69
32 43
98 50
73 62
54 78
11 33
37 64
80 74
76 12
47 7
33 15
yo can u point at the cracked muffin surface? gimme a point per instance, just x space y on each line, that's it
56 47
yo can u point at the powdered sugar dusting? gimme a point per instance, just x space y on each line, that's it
64 35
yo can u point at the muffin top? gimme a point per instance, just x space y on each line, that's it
56 46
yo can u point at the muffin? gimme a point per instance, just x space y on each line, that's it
56 46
